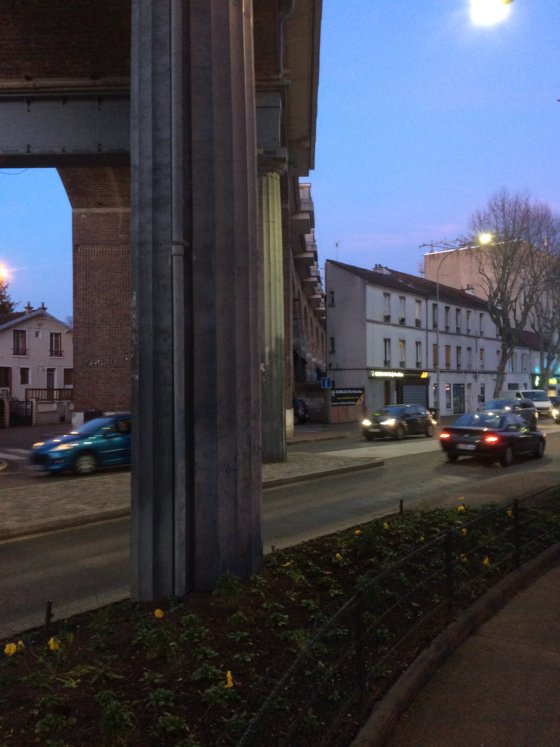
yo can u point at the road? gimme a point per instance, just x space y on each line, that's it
77 569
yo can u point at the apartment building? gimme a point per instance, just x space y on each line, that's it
398 336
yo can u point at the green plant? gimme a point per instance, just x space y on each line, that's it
117 718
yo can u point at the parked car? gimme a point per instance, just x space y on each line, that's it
524 407
555 408
398 421
494 435
101 442
301 411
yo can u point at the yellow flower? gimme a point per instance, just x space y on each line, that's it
10 649
357 531
159 613
287 564
338 556
385 525
460 507
53 643
464 531
229 679
486 561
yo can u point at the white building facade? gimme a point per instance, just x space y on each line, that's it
387 333
36 352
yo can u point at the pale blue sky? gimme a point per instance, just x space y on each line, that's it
422 117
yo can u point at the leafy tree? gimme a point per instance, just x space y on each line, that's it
6 303
514 266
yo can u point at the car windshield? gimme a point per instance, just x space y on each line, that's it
393 410
92 426
536 396
479 420
499 404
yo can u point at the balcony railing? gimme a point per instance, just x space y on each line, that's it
51 395
56 353
20 350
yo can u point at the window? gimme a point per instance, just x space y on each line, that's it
5 377
50 378
434 316
387 351
448 356
418 312
435 363
418 346
331 298
332 348
457 320
68 377
446 318
481 324
469 358
387 307
55 344
468 321
24 376
459 354
402 309
20 342
482 359
402 353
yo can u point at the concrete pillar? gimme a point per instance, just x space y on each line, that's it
273 420
196 464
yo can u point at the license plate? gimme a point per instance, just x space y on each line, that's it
466 447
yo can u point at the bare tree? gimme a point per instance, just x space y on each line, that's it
544 318
514 266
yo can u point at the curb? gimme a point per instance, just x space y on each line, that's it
277 481
388 711
68 523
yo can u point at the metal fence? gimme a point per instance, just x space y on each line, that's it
361 650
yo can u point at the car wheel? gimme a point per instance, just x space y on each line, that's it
452 457
429 430
85 464
507 457
369 436
399 433
557 420
539 451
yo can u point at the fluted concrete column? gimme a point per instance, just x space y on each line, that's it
196 468
273 420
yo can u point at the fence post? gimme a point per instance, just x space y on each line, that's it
449 576
359 650
516 534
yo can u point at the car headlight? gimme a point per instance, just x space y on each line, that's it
555 412
39 443
64 447
390 421
366 422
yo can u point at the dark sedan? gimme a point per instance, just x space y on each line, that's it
524 407
495 436
398 421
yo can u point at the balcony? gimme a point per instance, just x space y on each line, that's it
20 350
56 353
402 320
387 317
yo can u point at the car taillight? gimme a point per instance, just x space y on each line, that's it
444 435
491 438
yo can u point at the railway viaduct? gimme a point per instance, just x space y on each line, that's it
179 130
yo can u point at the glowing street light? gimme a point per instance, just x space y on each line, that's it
5 273
489 12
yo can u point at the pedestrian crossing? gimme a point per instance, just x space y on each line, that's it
14 455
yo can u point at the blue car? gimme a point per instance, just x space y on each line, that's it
102 442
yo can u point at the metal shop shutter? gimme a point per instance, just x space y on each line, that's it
415 394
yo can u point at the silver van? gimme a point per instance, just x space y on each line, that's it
539 397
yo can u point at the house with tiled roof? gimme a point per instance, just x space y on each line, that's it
397 336
36 360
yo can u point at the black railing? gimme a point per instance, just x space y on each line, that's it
361 650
